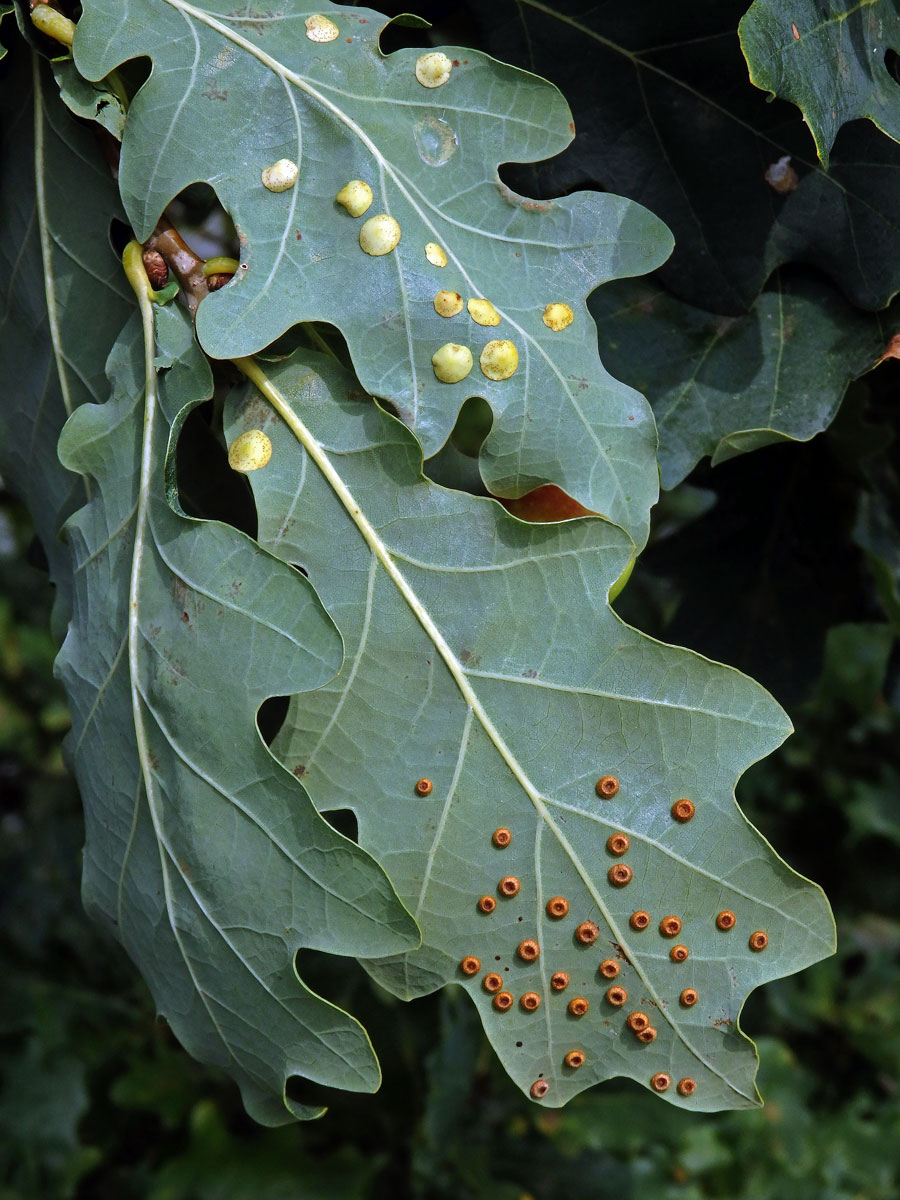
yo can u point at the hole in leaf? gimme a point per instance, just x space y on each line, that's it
271 716
343 821
892 62
203 222
120 235
450 24
456 464
534 182
134 73
215 493
545 503
304 1092
303 571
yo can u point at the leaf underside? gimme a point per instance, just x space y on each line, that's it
528 692
230 95
203 856
831 59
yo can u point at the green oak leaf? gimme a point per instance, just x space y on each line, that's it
56 202
665 114
831 59
722 386
233 91
482 656
203 856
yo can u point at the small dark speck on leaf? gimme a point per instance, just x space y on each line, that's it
185 618
299 235
299 770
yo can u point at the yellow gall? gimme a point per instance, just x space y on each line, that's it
320 29
379 235
558 316
435 254
280 176
249 451
53 24
433 70
355 196
499 360
448 304
452 363
574 1059
483 312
